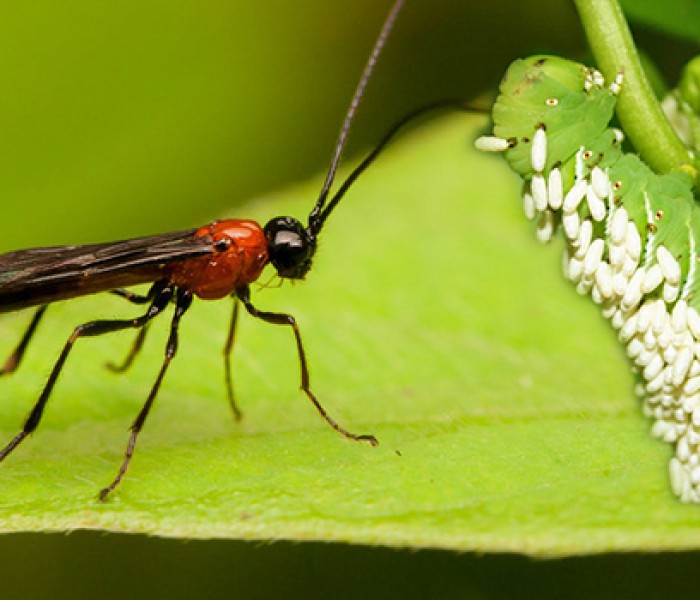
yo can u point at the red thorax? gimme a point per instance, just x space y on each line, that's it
239 257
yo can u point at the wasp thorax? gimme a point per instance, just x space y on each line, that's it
291 247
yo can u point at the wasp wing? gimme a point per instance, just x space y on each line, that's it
42 275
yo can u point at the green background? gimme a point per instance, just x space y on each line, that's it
132 118
129 119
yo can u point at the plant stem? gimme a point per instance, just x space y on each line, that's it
639 112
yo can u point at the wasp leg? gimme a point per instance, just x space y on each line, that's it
285 319
15 358
183 302
160 301
140 336
228 348
130 296
133 352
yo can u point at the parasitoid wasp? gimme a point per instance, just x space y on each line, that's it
217 260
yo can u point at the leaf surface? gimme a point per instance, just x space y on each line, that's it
503 403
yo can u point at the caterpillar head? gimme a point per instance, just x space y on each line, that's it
565 98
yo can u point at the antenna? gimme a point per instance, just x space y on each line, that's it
410 117
315 221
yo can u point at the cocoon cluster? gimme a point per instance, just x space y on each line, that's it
632 236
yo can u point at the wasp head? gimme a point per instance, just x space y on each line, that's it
291 247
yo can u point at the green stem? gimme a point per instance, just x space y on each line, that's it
639 112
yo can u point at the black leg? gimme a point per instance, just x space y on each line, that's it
184 300
284 319
93 328
133 352
228 347
129 296
140 336
15 358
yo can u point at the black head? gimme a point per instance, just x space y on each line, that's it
291 247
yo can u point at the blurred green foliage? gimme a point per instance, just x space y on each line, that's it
120 119
125 119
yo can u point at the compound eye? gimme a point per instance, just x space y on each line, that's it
289 242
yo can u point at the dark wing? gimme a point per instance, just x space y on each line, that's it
43 275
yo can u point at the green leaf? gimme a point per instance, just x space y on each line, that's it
502 400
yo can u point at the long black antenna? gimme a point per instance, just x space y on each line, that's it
410 117
314 222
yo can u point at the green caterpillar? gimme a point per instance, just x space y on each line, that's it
632 236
